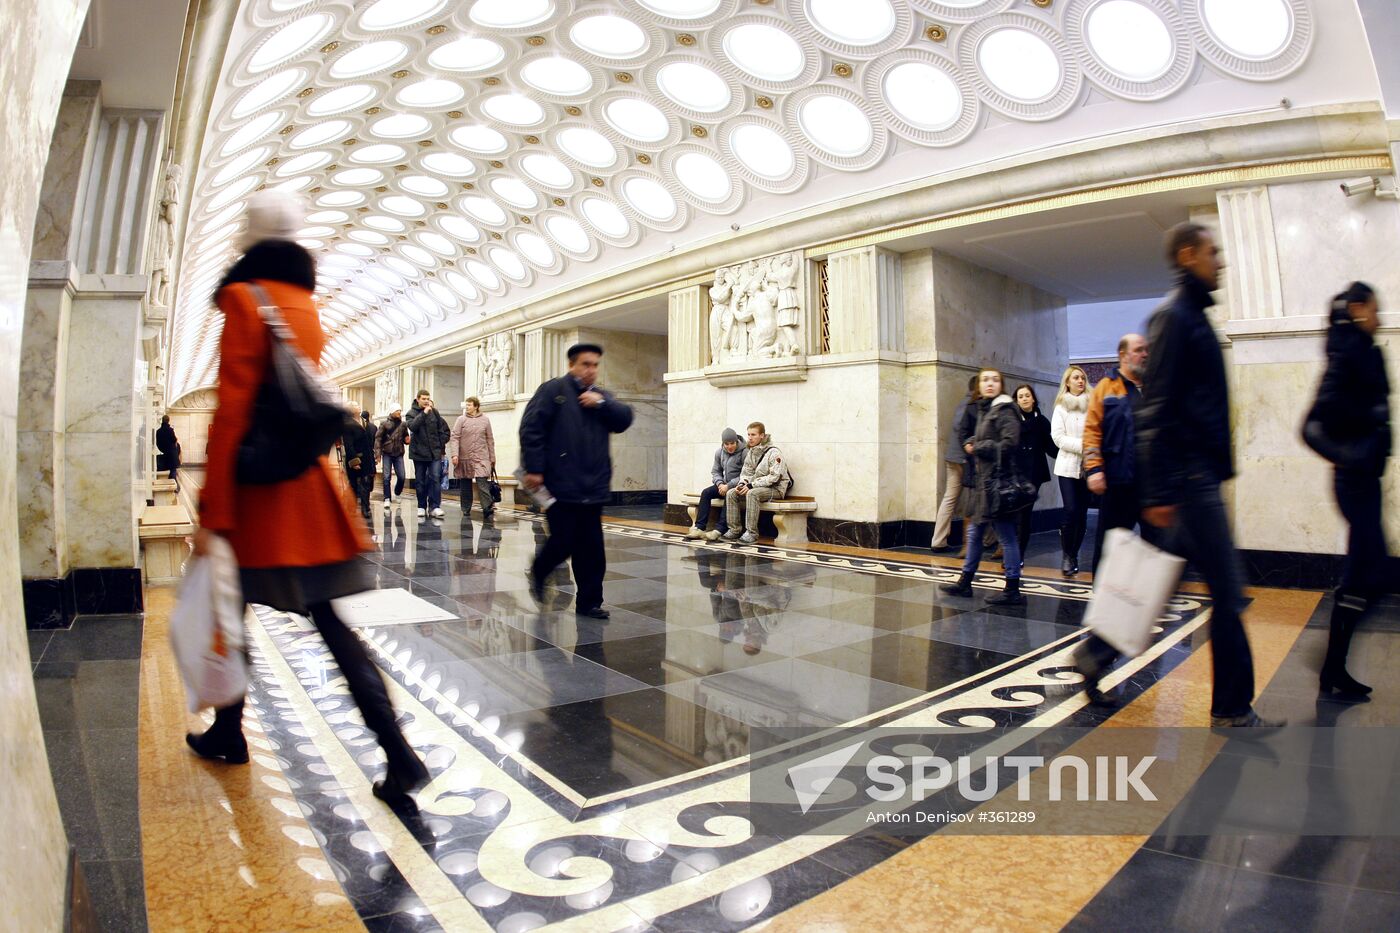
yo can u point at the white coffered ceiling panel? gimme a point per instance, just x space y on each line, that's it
457 156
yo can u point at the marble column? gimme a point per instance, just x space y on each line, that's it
688 330
36 44
865 303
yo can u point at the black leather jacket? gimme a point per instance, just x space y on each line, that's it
1349 422
568 443
1183 424
428 433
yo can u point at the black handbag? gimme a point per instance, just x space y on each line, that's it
1010 491
298 414
495 488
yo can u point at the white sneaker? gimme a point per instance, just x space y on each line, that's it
422 513
438 513
695 532
388 505
749 538
712 535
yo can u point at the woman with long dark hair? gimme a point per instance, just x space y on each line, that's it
296 541
1035 446
1349 424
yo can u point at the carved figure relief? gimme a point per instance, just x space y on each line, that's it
164 239
496 356
756 310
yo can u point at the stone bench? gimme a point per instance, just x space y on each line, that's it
789 515
164 530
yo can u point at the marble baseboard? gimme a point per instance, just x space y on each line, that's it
54 602
639 497
1294 570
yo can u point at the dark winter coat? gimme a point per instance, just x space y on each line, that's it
389 439
356 441
169 448
955 452
1035 446
429 433
1349 422
1183 424
965 427
568 444
727 466
995 447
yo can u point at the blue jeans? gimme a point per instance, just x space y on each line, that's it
702 511
427 483
394 464
1010 547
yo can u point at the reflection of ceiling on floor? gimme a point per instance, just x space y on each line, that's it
455 154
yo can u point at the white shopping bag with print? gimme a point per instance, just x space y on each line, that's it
1133 582
206 629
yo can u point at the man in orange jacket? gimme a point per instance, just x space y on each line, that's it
1109 462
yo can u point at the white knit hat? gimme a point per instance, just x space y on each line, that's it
272 215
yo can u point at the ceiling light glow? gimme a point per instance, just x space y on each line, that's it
836 125
609 36
1130 39
924 96
1019 64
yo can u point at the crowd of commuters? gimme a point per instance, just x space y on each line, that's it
1151 441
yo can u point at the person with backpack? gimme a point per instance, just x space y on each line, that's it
763 478
1110 457
1349 425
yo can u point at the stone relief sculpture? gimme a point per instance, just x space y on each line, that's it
756 310
496 359
164 240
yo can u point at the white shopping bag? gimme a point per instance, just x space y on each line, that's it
206 629
1133 582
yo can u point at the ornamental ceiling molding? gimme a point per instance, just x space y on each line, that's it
453 153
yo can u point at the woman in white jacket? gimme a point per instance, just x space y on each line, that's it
1067 431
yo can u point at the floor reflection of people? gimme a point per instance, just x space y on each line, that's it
724 605
483 552
580 739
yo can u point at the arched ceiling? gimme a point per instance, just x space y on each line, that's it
456 153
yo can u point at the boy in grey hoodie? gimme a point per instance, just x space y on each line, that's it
724 473
763 477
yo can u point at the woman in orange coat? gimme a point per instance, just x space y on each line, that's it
296 541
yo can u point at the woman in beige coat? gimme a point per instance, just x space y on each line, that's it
473 451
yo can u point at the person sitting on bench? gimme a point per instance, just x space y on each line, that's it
724 473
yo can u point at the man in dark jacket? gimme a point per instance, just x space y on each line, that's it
428 432
1184 453
388 450
724 472
169 446
564 447
357 444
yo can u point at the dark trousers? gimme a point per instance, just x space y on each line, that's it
1359 498
1119 507
1023 525
576 535
1202 535
1075 493
427 482
702 511
361 482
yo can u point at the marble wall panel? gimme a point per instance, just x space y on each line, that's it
985 318
44 348
918 301
42 514
447 390
192 430
101 518
36 47
102 339
56 224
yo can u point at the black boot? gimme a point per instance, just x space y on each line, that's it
1010 596
1346 613
224 739
962 588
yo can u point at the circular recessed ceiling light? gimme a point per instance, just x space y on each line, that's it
682 9
290 41
483 209
459 284
403 206
358 177
547 170
340 198
506 14
306 162
763 151
418 254
321 133
378 153
468 54
568 233
431 92
483 274
442 295
588 146
424 185
1019 64
1256 29
401 126
765 52
1130 39
923 95
388 276
341 99
391 14
311 244
437 243
368 236
266 91
460 228
703 177
401 320
232 193
369 58
449 163
352 301
859 22
380 222
535 249
649 199
637 119
515 109
606 217
609 36
295 184
355 249
327 217
557 75
514 192
693 86
365 295
240 165
477 138
508 262
316 231
836 125
251 132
